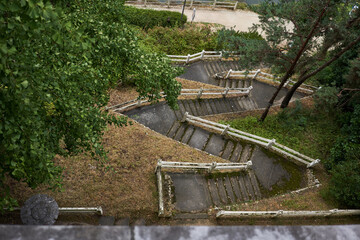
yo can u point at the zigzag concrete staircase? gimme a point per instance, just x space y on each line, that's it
229 189
213 106
219 189
212 143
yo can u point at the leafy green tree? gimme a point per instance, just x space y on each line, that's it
57 65
302 38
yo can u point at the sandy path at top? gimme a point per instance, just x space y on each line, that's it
240 20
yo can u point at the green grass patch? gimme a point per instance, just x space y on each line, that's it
301 129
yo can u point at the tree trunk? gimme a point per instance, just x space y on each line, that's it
293 64
293 89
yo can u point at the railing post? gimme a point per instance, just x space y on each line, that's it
225 130
191 3
272 142
188 58
225 92
214 4
202 54
236 3
313 163
168 3
212 167
145 3
186 115
257 73
139 102
200 93
248 164
221 53
228 74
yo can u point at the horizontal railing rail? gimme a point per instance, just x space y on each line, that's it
200 56
281 213
206 166
185 92
213 4
270 144
231 74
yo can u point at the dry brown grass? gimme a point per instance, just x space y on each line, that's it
130 191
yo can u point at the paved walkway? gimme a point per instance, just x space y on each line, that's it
240 20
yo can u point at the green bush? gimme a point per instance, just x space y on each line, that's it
345 183
179 41
148 18
242 6
230 39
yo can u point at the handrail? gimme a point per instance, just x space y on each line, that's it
267 77
207 166
185 92
213 4
199 56
270 144
281 213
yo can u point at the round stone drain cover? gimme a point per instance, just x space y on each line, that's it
39 209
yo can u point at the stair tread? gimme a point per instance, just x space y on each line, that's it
215 145
222 192
208 107
236 188
236 153
246 154
173 129
199 138
198 108
228 150
214 192
229 190
180 132
181 107
193 108
187 135
203 107
243 188
249 187
255 184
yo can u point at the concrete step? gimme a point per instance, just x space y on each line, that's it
243 189
235 185
249 187
214 193
227 152
212 68
199 108
188 133
209 108
236 153
193 107
207 68
255 184
171 133
199 138
217 67
228 83
234 83
180 132
215 145
230 193
181 108
222 191
246 153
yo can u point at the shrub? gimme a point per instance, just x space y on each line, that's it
179 41
326 99
148 18
230 39
345 183
242 6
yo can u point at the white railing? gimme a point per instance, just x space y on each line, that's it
281 213
206 166
198 56
231 74
199 3
185 92
269 144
